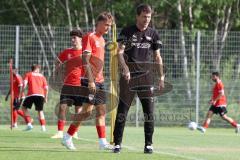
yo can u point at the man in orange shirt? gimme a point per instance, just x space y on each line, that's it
71 59
17 100
218 104
93 61
37 94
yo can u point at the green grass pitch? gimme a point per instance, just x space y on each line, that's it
169 144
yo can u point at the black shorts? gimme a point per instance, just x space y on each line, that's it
17 103
99 97
71 100
37 100
221 110
70 95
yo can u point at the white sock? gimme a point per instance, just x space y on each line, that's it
29 124
60 132
43 127
67 136
102 141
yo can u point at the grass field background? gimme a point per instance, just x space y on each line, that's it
169 144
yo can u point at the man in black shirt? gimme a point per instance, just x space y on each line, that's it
137 44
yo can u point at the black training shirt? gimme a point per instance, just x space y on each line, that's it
139 45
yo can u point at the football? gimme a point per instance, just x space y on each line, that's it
192 125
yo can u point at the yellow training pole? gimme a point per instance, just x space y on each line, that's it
114 78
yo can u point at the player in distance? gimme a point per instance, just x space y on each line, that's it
218 104
37 95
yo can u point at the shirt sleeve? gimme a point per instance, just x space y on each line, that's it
157 44
220 88
86 43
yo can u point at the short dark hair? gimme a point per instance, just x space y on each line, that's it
76 32
143 8
104 16
215 73
35 66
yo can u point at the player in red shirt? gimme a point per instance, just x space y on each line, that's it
218 104
17 100
71 59
37 94
93 61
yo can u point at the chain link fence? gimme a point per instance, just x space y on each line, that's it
27 45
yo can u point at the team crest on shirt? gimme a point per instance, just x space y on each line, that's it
134 38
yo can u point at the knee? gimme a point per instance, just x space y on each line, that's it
224 117
148 117
121 118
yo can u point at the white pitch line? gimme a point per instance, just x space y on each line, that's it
158 152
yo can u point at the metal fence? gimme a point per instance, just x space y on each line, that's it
190 57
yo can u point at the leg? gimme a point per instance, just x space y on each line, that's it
145 94
101 127
148 109
78 110
78 118
100 120
61 120
229 120
38 102
17 106
125 100
42 120
208 119
73 128
27 103
15 116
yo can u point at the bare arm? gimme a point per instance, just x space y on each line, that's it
46 95
120 52
159 62
25 82
87 67
20 91
6 98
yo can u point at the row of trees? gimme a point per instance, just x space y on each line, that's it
217 15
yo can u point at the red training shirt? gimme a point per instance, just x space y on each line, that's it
72 61
95 44
37 84
217 89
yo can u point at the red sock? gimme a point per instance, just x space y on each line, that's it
205 125
72 129
234 124
101 130
42 122
61 124
15 116
20 112
27 119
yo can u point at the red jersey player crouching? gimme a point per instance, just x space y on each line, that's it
218 104
93 61
37 94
